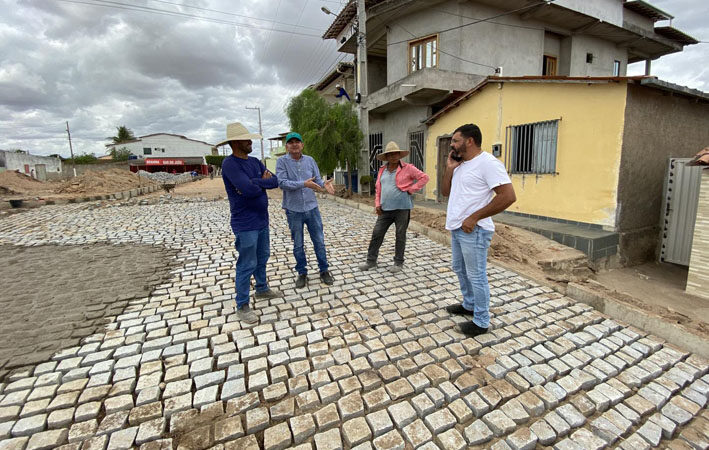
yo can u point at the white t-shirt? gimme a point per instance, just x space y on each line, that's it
471 189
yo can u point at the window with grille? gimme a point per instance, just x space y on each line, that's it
416 149
147 151
423 53
531 148
375 148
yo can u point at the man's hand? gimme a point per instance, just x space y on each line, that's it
329 187
469 224
309 183
266 174
450 162
378 210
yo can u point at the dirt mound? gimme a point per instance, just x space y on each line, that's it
12 182
101 182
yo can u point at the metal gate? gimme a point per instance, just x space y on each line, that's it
375 148
679 211
416 149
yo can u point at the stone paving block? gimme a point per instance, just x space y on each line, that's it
257 419
376 399
391 440
356 431
150 430
328 440
350 406
417 434
277 437
302 427
522 439
47 439
440 421
28 426
122 439
451 439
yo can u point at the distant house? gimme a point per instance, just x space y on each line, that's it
585 151
167 152
39 167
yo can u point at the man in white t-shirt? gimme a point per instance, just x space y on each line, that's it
478 187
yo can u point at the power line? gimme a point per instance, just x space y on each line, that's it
129 7
232 14
548 2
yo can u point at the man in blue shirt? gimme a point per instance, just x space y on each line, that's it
246 180
298 177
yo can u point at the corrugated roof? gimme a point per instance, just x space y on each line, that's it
647 81
701 158
647 10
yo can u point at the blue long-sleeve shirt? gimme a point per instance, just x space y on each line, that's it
291 179
246 190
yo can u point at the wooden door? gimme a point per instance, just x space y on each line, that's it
444 147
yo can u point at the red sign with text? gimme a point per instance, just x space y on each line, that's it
163 162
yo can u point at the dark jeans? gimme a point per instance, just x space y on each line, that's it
296 222
399 217
254 248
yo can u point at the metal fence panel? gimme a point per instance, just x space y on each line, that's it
679 210
416 149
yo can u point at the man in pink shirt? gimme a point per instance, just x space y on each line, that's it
396 182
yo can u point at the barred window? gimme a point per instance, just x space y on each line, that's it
531 148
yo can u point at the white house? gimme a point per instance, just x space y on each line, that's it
167 152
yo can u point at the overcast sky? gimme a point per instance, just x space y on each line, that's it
99 64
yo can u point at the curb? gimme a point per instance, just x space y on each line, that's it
123 195
673 333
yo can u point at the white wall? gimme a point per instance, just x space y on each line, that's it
174 146
16 161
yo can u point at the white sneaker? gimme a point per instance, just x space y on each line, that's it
396 268
246 314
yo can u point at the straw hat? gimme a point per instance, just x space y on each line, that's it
237 132
391 148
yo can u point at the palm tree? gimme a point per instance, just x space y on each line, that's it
124 135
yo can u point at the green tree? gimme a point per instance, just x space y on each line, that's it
330 132
214 160
120 154
84 158
124 134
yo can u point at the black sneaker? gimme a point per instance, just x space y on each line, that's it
472 330
301 281
326 278
458 309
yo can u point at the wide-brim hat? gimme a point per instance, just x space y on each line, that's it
391 148
237 132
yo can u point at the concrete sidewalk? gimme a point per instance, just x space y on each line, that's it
371 362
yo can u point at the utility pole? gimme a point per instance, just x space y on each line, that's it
362 82
260 131
71 150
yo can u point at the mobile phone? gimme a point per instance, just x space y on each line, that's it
456 157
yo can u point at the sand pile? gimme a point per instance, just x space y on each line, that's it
101 182
12 182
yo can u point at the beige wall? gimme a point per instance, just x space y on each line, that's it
698 277
588 147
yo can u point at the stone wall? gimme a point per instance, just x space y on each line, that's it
698 277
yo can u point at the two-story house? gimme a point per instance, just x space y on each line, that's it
423 54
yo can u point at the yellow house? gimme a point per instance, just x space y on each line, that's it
590 152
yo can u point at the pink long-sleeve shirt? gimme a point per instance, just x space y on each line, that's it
408 179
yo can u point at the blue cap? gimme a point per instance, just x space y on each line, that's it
292 135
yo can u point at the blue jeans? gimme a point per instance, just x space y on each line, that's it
254 249
296 221
469 255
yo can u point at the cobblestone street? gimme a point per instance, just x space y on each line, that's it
374 361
